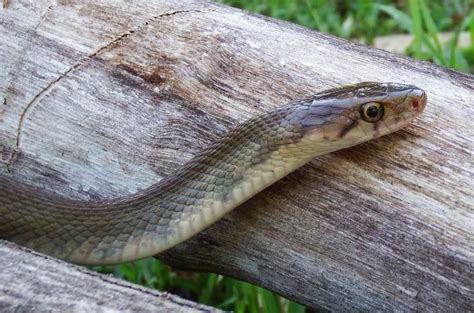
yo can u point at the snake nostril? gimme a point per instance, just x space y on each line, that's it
416 104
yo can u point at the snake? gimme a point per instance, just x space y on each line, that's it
245 161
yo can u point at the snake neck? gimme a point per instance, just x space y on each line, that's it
246 161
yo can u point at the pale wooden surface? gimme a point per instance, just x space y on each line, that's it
100 100
32 282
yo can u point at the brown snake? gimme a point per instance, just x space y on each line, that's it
248 159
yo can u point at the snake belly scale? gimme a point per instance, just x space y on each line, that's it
248 159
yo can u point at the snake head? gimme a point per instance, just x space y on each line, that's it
353 114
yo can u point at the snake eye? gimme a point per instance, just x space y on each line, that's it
371 112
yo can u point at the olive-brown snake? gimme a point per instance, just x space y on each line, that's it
247 160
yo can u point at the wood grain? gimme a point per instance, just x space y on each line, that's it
102 99
32 282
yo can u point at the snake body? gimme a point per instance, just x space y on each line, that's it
248 159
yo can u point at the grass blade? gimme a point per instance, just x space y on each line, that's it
207 292
416 28
432 30
294 307
401 17
315 17
269 301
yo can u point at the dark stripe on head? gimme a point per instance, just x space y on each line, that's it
347 128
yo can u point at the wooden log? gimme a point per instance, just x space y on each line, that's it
32 282
101 99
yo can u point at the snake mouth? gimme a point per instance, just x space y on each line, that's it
418 99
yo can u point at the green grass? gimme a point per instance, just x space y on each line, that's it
212 289
359 20
365 20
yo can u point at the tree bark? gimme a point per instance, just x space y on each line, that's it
101 99
32 282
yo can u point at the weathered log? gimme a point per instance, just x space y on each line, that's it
102 99
32 282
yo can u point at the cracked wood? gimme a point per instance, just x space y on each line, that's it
386 225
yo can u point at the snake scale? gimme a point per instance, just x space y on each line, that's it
248 159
